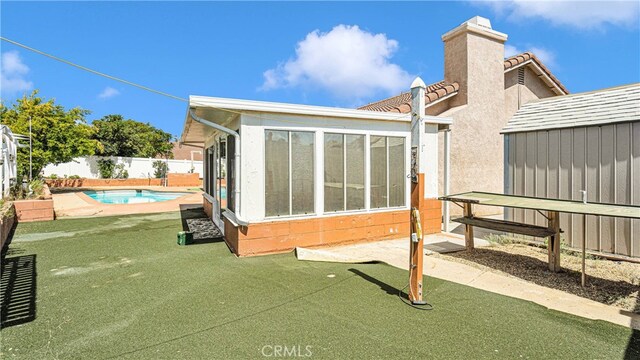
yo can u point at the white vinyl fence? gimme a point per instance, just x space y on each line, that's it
87 167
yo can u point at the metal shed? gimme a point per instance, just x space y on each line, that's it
559 147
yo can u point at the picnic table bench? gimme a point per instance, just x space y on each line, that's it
552 207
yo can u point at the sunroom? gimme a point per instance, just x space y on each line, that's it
278 176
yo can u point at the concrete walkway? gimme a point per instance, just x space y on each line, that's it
396 253
78 204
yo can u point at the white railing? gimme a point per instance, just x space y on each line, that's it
8 158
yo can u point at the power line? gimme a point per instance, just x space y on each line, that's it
93 71
146 88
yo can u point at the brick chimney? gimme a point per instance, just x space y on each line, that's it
474 57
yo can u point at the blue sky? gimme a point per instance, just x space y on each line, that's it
334 54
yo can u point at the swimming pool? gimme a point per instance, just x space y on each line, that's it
132 196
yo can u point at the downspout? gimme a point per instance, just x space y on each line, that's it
447 176
238 216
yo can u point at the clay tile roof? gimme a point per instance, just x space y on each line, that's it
402 103
526 56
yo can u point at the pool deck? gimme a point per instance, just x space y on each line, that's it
75 203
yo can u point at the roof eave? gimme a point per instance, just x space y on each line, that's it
559 89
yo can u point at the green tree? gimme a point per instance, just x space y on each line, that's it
58 135
118 136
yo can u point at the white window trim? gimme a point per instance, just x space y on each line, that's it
318 158
264 174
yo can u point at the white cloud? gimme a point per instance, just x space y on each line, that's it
348 62
108 92
12 74
585 14
546 56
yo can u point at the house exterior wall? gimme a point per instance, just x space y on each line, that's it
603 160
517 95
285 235
477 149
266 235
252 134
476 63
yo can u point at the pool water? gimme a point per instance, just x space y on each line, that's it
132 196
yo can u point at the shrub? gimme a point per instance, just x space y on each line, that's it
53 176
34 189
6 210
106 167
74 176
160 169
120 172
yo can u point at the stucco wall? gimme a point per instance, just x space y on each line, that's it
488 97
252 134
476 63
517 95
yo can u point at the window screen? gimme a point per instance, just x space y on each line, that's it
276 173
387 171
333 172
302 194
289 176
378 149
396 171
355 171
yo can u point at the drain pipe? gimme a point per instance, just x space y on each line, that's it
447 178
236 189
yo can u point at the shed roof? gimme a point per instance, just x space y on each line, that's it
613 105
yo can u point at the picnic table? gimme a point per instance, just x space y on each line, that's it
552 207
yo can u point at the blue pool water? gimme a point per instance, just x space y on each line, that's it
132 196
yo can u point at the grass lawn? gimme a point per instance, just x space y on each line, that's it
120 287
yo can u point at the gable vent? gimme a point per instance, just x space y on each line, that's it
521 76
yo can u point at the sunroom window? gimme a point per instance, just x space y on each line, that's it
387 171
289 175
343 172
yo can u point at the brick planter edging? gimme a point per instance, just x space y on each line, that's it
6 225
34 210
176 179
173 179
73 183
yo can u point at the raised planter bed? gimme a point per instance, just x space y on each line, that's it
173 179
35 209
176 179
72 183
7 220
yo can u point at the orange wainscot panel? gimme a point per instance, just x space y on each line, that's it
305 226
285 235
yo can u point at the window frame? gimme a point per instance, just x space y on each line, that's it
318 171
388 166
345 168
290 171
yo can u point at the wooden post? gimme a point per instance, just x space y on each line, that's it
418 142
553 247
468 229
416 249
415 266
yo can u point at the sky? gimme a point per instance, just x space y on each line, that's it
343 54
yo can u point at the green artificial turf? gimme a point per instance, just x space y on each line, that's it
120 287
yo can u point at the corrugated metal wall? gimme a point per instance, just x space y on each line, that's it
603 160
